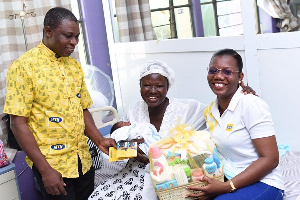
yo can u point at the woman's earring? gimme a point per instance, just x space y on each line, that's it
240 82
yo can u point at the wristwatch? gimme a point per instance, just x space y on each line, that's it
233 188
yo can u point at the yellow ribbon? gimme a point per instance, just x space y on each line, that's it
182 134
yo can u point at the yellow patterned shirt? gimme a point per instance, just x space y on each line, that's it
52 93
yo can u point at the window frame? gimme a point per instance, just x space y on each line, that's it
195 23
171 9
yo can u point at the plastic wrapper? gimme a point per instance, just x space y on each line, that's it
99 85
184 158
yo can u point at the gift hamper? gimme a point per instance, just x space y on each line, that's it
181 160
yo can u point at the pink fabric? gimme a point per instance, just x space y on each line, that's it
3 157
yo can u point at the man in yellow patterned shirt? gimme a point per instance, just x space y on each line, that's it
47 100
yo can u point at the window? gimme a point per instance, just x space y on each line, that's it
221 17
184 18
171 18
175 18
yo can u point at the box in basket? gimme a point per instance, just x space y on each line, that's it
183 159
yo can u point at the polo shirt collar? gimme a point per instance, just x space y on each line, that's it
232 105
235 99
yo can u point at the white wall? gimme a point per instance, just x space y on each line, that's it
271 68
279 70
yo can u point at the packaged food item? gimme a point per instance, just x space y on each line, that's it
124 150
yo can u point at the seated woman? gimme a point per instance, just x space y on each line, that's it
242 128
156 78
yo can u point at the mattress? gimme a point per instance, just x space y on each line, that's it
290 167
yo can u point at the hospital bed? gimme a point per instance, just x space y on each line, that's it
104 118
289 163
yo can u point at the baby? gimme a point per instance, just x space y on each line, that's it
127 131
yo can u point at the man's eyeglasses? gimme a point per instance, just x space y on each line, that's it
226 72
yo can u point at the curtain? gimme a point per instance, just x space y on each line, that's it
12 37
295 7
134 20
287 21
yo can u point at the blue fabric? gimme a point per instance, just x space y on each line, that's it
105 130
282 148
257 191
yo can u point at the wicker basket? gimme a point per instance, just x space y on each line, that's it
179 192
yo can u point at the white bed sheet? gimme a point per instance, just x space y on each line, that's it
290 167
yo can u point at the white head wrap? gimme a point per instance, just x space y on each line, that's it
158 67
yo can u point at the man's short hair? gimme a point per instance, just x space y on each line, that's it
55 16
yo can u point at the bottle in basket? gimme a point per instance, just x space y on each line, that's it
161 171
209 167
159 161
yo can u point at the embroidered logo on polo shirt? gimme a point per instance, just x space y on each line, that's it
58 146
55 119
229 127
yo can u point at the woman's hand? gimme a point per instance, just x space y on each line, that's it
213 188
247 89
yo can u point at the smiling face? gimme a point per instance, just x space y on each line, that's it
224 86
154 89
62 39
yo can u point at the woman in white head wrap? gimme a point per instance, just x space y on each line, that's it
158 67
156 78
157 108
